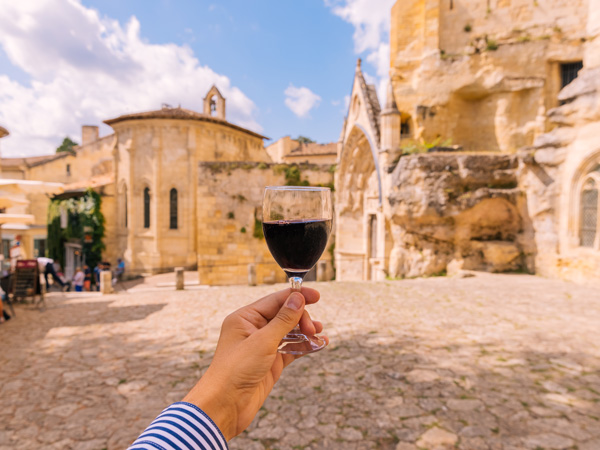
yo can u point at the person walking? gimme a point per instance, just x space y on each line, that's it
87 278
99 267
78 280
46 266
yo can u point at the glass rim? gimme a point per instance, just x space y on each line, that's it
297 188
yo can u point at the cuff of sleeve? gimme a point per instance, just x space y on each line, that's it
182 425
204 417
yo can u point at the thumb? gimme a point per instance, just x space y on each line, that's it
287 318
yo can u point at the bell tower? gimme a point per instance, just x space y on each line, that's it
214 103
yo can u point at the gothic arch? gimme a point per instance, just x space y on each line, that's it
358 207
588 170
360 222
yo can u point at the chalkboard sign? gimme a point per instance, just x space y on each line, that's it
26 279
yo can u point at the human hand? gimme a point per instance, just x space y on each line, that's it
246 364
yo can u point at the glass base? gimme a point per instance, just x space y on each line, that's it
299 344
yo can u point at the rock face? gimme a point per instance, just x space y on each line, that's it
515 85
482 75
557 169
456 211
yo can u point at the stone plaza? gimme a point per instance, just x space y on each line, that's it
498 362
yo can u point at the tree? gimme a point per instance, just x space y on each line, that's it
304 140
67 145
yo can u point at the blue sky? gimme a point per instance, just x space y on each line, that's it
285 67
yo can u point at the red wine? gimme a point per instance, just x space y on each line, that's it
297 245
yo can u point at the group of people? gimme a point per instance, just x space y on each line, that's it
82 280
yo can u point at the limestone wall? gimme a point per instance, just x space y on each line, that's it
457 211
163 154
229 208
482 75
94 158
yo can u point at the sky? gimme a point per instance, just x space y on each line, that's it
285 67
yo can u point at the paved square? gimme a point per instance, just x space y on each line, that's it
491 362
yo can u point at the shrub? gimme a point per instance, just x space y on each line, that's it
491 45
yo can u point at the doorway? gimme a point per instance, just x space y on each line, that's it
73 259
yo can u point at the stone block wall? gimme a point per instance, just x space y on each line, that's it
229 199
458 211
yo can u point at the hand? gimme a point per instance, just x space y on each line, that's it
246 364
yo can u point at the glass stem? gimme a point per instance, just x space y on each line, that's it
296 285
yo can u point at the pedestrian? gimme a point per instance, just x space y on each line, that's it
78 279
119 271
244 369
46 266
87 278
97 271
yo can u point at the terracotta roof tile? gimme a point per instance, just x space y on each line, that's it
30 161
181 114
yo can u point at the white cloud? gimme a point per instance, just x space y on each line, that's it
371 21
85 68
301 100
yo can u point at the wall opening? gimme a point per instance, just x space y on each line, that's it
589 213
173 209
147 208
569 71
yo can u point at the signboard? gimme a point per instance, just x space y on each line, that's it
27 280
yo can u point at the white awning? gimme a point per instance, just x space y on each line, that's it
16 218
31 187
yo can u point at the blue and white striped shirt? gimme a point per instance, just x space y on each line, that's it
181 426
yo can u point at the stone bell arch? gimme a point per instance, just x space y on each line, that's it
214 103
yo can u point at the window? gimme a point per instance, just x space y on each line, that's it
68 169
39 247
173 209
373 235
123 207
568 72
405 129
589 213
147 208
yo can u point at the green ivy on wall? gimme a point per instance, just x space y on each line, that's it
84 217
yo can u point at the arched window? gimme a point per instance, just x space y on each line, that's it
147 208
588 228
173 209
123 213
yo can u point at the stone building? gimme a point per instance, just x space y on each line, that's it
288 150
499 82
178 188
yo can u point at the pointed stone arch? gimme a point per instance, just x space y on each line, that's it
359 193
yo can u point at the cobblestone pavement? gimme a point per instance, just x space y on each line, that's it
500 362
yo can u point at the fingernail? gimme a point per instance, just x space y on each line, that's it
294 301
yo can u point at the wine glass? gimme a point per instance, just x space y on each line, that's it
296 224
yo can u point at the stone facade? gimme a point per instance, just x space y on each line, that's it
289 151
170 180
230 220
561 172
482 75
499 83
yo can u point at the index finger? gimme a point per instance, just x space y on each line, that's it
269 306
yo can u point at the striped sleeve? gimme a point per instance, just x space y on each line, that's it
181 426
